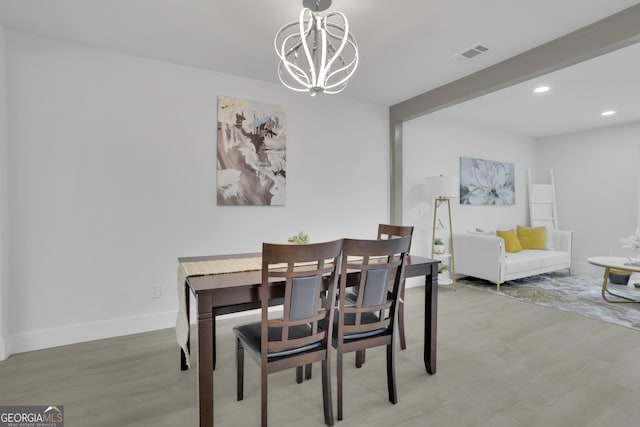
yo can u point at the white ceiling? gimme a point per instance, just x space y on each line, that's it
407 47
577 97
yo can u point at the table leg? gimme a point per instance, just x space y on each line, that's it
431 319
403 341
205 368
606 291
213 340
183 357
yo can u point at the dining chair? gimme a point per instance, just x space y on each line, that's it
389 231
297 336
369 321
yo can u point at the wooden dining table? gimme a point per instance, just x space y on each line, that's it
218 294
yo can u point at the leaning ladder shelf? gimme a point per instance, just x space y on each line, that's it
542 203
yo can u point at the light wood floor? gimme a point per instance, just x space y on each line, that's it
501 362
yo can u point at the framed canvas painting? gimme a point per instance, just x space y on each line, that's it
486 182
251 153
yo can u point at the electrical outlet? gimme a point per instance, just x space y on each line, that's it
156 291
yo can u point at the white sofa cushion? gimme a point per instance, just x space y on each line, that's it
533 259
522 261
553 258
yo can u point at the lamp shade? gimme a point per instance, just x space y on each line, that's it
442 187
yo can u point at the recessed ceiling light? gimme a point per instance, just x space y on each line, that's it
541 89
608 113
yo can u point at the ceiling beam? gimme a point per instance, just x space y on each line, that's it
607 35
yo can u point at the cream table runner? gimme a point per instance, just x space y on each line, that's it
204 268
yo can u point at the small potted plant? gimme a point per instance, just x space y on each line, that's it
301 238
443 272
438 246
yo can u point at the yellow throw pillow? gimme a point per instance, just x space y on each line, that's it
532 238
511 242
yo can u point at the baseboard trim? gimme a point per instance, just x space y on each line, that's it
82 332
580 267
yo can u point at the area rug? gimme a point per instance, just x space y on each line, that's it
579 294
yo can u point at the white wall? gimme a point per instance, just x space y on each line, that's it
4 228
433 145
596 177
113 176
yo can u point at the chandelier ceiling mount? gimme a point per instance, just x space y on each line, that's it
317 5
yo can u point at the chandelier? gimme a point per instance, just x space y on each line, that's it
317 53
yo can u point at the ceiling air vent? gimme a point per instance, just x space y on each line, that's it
473 52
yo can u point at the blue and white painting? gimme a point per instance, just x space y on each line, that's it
487 182
251 155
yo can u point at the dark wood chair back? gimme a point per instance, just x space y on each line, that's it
305 270
388 231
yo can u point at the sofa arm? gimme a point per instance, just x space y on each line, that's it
562 240
479 255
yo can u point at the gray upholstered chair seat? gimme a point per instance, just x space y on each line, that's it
349 319
250 333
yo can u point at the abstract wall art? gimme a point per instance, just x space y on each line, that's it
251 154
486 182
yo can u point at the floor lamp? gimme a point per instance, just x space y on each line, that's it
442 189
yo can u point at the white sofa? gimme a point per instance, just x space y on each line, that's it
483 256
